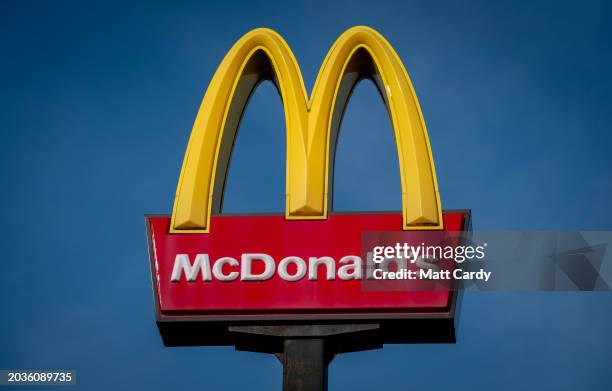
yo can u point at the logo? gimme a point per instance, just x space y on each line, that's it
212 271
311 124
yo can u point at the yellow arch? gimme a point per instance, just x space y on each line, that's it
311 127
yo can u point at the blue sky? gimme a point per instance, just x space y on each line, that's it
97 101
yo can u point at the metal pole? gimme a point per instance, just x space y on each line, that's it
304 365
306 350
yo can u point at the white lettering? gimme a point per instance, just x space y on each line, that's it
218 269
313 268
247 267
284 265
351 269
182 265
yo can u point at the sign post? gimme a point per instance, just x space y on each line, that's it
307 350
304 364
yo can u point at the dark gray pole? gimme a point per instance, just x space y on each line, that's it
304 365
306 350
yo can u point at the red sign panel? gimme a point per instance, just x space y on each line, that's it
262 266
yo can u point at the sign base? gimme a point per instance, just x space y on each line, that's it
306 351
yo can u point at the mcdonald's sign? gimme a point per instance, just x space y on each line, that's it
211 271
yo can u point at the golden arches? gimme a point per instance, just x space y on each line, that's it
311 126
